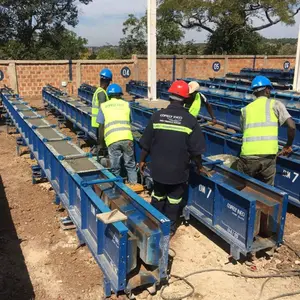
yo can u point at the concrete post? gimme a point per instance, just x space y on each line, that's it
265 62
78 74
183 70
152 93
135 67
226 65
13 79
296 83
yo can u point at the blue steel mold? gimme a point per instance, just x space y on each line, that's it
77 179
287 168
223 142
236 207
212 202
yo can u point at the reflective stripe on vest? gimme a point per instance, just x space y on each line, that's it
116 121
95 106
196 106
172 127
260 128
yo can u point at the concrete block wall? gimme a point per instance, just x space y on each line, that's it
29 77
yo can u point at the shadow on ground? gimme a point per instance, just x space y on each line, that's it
15 283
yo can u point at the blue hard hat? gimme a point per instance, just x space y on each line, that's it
106 74
114 89
260 82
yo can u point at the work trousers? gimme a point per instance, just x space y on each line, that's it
123 149
166 199
261 168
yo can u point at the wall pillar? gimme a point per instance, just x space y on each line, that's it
13 79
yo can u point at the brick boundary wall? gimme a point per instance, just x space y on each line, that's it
29 77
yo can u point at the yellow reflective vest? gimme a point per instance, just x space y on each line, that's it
260 135
116 121
95 106
196 106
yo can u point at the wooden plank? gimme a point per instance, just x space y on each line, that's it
111 217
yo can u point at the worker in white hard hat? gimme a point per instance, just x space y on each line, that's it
195 101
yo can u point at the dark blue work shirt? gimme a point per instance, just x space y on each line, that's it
172 137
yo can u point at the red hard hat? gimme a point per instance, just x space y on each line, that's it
180 88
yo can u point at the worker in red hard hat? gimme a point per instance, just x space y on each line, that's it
172 138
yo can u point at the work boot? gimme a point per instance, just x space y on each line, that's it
136 187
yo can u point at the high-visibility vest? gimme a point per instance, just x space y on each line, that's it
196 106
95 106
117 121
260 128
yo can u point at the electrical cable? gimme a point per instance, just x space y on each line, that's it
289 273
285 295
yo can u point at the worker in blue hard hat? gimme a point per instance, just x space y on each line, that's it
259 122
115 131
100 96
196 99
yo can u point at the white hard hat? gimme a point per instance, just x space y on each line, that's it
194 87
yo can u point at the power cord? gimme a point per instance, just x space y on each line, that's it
289 273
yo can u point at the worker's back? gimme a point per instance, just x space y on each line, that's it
172 136
260 126
117 121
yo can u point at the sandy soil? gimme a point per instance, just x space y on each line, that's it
40 261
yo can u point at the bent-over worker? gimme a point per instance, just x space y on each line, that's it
195 101
172 138
115 130
259 123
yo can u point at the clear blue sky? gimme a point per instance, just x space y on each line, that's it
101 22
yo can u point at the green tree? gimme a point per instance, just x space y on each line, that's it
135 33
30 23
229 39
169 37
237 16
108 52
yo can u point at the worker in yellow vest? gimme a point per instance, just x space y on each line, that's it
259 122
100 96
115 130
195 101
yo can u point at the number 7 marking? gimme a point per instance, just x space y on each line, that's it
210 190
296 176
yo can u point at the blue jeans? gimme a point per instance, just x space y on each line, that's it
123 149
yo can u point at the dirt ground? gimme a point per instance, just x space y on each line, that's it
38 260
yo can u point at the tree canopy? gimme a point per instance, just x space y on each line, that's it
169 37
211 14
30 27
228 22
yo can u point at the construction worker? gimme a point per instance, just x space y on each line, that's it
100 96
172 137
259 122
195 101
114 121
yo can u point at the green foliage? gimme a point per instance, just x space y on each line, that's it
135 36
229 39
108 52
211 14
169 37
231 23
35 29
